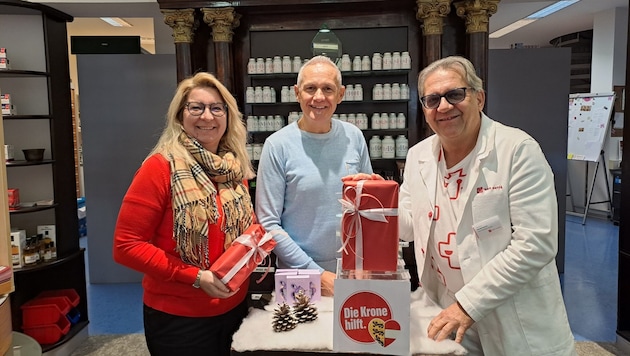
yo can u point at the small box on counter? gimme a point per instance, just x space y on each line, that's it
369 225
14 198
18 243
4 63
3 52
8 109
5 98
290 281
245 253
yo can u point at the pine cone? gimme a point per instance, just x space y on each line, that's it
283 320
303 310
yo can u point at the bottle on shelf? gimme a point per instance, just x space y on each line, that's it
285 97
387 61
278 122
384 121
377 61
297 64
404 91
352 119
387 91
277 64
258 94
251 66
392 120
402 146
377 92
405 60
365 63
249 95
346 63
262 123
266 94
252 123
376 121
268 66
348 95
396 60
260 66
388 147
356 64
287 65
395 91
401 121
270 123
375 147
358 92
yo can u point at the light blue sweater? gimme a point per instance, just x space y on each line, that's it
298 187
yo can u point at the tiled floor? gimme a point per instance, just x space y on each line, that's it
589 285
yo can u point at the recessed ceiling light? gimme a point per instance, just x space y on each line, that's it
116 21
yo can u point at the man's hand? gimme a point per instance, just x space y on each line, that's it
328 283
450 320
362 176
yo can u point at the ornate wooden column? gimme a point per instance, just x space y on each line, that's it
222 21
183 23
432 13
477 15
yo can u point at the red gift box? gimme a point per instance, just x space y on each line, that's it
369 225
245 253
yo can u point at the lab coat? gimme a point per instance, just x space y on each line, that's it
511 283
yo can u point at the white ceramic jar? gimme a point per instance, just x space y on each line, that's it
249 95
356 64
278 122
401 121
260 66
396 60
387 91
268 65
405 60
287 65
375 147
251 66
387 61
252 123
388 147
358 92
395 91
258 94
376 121
348 95
377 92
384 121
404 91
297 64
266 94
284 94
365 63
346 63
402 146
377 61
277 64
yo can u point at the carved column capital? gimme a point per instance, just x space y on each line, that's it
183 23
432 13
476 13
222 20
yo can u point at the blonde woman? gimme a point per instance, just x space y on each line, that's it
187 202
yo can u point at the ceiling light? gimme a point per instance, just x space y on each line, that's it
116 21
511 27
557 6
551 9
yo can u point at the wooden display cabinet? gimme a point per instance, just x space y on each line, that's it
38 80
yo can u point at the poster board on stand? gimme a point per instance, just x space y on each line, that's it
589 120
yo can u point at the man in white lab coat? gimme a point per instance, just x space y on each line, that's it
479 202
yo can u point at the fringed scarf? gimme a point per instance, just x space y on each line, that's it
195 204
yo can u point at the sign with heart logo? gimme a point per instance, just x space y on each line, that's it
371 316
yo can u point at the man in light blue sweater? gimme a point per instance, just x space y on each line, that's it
300 171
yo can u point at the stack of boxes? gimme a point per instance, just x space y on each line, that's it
81 214
4 60
5 99
49 316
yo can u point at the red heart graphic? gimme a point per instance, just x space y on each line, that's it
392 330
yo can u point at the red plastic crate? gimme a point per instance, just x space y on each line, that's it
44 311
71 294
49 334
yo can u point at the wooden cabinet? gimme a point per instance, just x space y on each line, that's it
38 82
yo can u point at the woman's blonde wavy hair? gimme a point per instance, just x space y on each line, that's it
234 139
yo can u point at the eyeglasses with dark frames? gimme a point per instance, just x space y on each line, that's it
197 109
454 96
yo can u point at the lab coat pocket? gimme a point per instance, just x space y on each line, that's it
488 205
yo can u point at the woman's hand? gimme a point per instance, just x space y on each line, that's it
213 286
362 176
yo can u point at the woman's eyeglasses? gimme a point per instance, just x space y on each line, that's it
454 96
216 109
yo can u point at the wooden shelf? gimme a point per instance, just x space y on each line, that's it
32 209
28 163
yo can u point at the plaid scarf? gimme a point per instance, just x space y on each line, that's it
194 200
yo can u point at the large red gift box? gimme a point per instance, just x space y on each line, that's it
245 253
369 225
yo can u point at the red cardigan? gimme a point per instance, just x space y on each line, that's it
143 241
